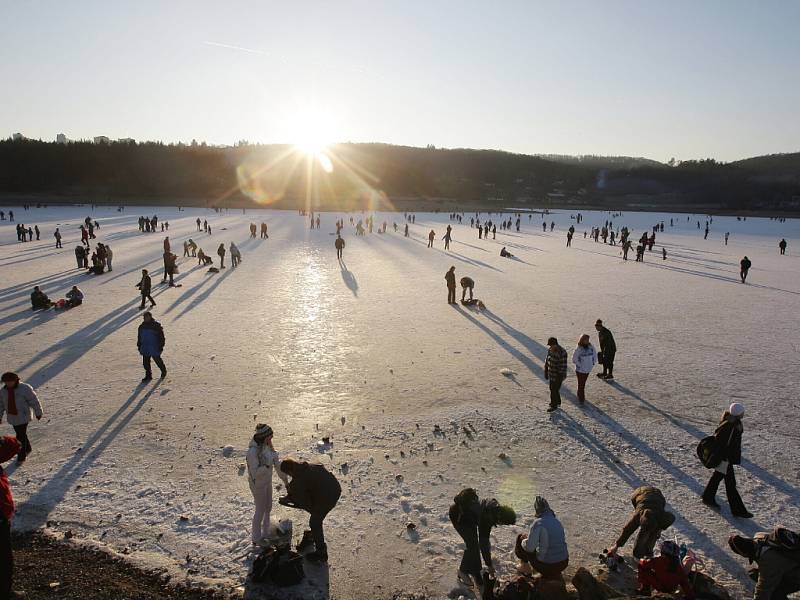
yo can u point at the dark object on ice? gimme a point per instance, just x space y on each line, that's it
213 270
281 566
306 542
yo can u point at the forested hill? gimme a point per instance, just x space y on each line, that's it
360 175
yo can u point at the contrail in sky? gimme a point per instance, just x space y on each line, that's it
232 47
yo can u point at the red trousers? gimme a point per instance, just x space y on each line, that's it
582 377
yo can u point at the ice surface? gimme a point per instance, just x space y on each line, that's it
371 355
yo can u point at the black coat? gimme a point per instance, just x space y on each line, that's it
482 515
313 488
729 440
607 344
145 285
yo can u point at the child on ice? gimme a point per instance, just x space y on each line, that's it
261 459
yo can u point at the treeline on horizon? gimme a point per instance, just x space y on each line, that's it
367 175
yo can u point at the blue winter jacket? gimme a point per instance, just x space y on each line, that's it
151 339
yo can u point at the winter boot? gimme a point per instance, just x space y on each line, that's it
306 542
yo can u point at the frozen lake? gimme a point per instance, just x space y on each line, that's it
372 355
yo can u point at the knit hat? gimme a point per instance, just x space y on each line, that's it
506 515
551 341
9 447
736 410
669 548
743 546
263 429
540 506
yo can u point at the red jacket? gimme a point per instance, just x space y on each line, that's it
662 578
6 499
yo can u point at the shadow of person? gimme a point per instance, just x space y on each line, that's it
349 279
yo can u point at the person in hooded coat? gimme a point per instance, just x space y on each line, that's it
315 490
9 447
728 437
545 548
17 401
262 459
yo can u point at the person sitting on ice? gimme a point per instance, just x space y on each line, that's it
39 299
545 549
505 253
74 297
473 519
203 258
650 517
262 460
664 572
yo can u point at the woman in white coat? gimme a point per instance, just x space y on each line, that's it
584 357
262 459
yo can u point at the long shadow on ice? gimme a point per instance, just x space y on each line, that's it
38 507
349 279
197 300
757 471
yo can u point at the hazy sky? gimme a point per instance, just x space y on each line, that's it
659 79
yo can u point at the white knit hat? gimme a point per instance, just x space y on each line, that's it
736 409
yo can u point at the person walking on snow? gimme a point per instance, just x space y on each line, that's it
262 459
555 371
584 357
781 244
608 350
145 286
221 254
17 401
339 245
150 342
745 265
431 235
728 436
315 490
236 256
57 235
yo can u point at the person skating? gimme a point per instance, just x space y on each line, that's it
664 573
109 257
18 400
339 245
467 283
474 519
198 223
221 254
447 238
608 350
450 278
315 490
555 371
262 460
744 265
584 357
650 516
39 300
74 297
405 233
545 548
57 235
264 231
728 440
9 447
431 236
778 569
145 286
253 230
781 244
150 342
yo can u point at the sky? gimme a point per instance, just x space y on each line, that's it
684 79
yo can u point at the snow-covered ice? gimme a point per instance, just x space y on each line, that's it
373 357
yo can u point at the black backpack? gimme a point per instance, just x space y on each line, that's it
781 539
708 452
280 566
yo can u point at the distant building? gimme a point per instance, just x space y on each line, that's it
61 139
126 141
17 137
101 139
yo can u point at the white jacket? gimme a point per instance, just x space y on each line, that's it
584 358
260 462
25 399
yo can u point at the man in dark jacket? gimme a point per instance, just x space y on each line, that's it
650 517
9 447
608 349
315 490
339 245
39 299
144 289
450 278
150 341
555 371
745 265
778 570
473 519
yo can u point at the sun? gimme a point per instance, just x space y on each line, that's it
312 131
